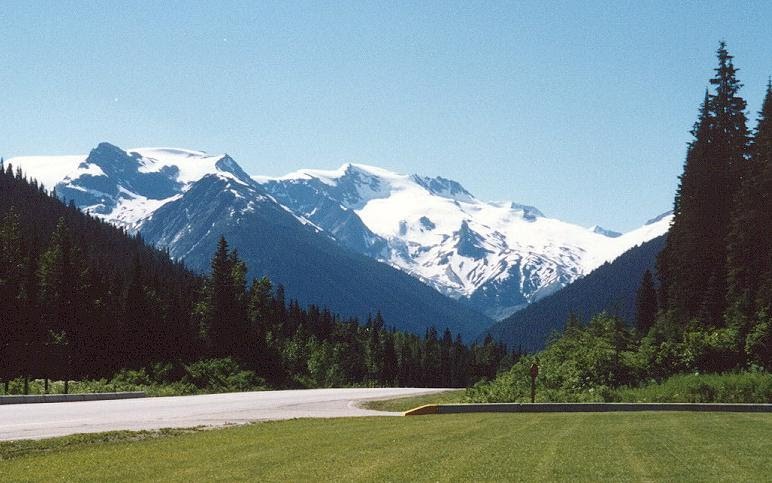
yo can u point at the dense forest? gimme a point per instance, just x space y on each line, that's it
83 299
708 308
715 273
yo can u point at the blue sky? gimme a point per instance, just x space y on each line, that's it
582 109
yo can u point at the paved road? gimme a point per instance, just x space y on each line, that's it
43 420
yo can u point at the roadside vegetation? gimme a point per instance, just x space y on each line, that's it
492 447
83 301
605 361
703 328
202 377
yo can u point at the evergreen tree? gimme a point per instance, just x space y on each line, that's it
137 315
762 153
12 269
389 371
222 308
60 276
749 252
646 304
696 249
374 348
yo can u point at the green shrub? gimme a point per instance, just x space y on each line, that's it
221 375
744 387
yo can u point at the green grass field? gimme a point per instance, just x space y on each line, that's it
404 403
525 447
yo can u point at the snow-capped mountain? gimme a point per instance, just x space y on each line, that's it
184 201
126 187
496 256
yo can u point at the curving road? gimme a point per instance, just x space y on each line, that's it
44 420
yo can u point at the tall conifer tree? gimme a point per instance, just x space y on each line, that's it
693 264
646 304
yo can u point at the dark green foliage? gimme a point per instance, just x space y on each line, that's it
716 265
693 264
712 311
611 288
604 361
83 300
579 366
646 304
749 251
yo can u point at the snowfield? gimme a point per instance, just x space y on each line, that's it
497 256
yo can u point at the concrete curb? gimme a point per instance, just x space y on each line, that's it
584 408
55 398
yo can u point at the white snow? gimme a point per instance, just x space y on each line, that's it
193 165
549 252
421 226
48 170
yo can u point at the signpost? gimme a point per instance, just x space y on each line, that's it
534 374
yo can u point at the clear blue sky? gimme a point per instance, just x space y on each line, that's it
582 109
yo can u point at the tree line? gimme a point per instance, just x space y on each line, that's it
84 299
708 308
711 309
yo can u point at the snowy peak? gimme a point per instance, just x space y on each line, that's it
443 187
603 231
188 166
120 171
126 186
496 256
657 219
469 243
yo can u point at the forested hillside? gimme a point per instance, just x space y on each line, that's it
712 310
82 299
611 288
716 269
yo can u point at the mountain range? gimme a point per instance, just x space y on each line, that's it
446 256
496 257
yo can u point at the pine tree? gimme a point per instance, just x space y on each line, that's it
136 314
374 354
762 154
696 246
646 304
222 299
749 252
60 276
12 332
389 371
748 249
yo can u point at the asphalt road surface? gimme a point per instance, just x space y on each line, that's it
44 420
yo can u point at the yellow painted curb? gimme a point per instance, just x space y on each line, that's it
421 410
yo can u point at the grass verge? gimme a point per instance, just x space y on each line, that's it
404 403
28 447
501 447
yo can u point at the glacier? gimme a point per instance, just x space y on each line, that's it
496 257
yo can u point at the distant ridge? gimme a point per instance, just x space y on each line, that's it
612 287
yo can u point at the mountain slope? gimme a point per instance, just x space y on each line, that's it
124 187
612 287
313 267
184 200
495 257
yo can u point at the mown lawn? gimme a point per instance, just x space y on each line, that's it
513 447
402 404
